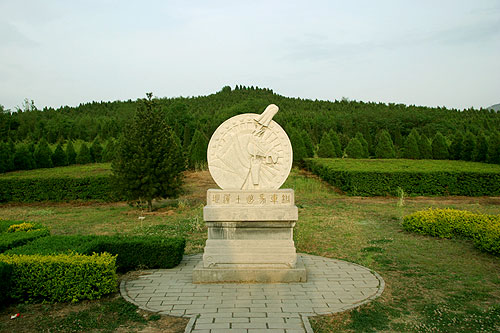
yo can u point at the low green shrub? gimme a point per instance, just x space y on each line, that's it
9 240
57 189
143 251
133 251
62 277
59 244
415 177
483 229
6 281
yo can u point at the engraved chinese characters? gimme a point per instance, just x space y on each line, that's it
250 151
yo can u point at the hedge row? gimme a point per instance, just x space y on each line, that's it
57 189
133 252
9 240
6 279
483 229
373 182
61 278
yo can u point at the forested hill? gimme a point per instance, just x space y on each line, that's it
105 119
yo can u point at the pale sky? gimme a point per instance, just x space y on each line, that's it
433 53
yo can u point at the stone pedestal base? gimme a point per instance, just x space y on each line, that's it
250 274
250 238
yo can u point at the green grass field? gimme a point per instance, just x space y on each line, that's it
404 165
432 284
74 171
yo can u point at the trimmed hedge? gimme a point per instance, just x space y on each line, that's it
5 285
57 189
483 229
9 240
62 277
419 177
133 251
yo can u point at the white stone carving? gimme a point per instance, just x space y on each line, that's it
250 151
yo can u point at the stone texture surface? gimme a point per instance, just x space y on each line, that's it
250 151
332 286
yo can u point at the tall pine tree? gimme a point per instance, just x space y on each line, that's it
197 153
354 149
439 147
83 156
59 157
149 161
456 146
425 148
326 148
385 146
43 155
411 145
481 151
468 147
70 153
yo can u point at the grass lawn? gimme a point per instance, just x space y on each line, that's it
431 284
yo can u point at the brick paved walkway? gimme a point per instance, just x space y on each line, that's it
332 286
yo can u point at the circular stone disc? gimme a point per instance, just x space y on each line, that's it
242 157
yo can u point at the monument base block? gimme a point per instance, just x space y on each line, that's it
250 238
263 274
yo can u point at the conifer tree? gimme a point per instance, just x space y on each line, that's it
43 155
364 143
70 153
197 153
494 148
354 149
336 143
456 146
59 157
425 148
108 153
385 146
83 156
96 151
468 147
411 145
439 147
149 161
326 148
298 147
23 158
6 158
481 151
308 144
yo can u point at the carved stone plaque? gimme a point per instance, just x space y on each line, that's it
250 151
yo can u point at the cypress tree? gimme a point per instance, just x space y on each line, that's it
494 149
6 158
354 149
96 151
385 146
83 156
326 148
59 156
456 146
108 153
481 151
468 147
439 147
149 161
70 153
197 153
336 143
425 148
308 144
23 158
298 146
411 145
43 155
364 143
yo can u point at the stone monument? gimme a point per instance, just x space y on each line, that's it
250 219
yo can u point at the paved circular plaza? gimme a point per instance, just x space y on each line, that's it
332 286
